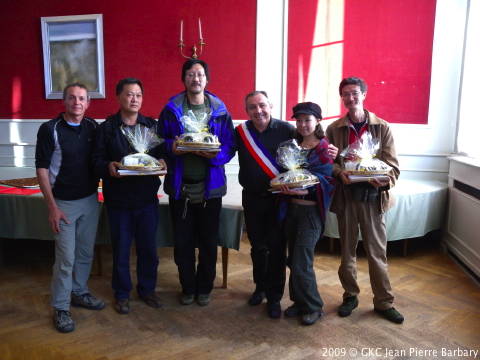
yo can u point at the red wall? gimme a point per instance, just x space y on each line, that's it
140 40
387 43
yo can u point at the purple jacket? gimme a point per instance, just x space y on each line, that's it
220 124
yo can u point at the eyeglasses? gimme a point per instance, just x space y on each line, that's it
192 75
355 94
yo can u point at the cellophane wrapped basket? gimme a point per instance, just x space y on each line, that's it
359 157
292 157
142 139
197 136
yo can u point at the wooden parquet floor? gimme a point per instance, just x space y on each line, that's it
440 302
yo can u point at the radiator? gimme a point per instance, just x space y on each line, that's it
462 236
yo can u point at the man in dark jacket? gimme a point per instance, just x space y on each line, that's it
257 142
64 171
196 180
131 201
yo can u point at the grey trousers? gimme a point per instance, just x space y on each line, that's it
303 228
372 226
74 246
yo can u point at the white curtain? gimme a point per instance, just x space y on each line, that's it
468 140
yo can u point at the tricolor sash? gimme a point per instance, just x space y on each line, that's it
258 152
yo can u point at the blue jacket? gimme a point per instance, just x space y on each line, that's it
220 124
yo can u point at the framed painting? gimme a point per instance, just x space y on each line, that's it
73 52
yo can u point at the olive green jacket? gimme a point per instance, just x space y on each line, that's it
337 134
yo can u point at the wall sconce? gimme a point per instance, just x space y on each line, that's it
201 43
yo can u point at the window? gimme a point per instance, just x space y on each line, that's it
467 138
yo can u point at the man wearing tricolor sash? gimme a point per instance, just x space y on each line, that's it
257 143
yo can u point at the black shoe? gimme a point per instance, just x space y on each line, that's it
391 314
274 310
256 298
151 300
310 319
122 306
63 321
87 301
292 311
349 303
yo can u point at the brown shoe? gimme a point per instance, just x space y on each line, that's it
152 300
122 306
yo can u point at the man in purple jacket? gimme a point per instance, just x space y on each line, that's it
196 180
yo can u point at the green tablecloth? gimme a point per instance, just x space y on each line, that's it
26 217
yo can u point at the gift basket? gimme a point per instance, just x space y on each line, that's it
197 136
360 162
142 139
292 157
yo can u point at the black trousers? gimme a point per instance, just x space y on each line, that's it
196 226
302 229
268 250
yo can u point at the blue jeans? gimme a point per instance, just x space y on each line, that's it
74 246
141 225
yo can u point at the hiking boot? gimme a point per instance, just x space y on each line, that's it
122 306
349 303
256 298
310 319
187 299
151 300
391 314
203 299
274 310
87 301
63 321
292 311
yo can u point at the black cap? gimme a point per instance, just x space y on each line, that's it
308 108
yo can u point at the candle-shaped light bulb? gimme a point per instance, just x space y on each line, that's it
181 30
200 28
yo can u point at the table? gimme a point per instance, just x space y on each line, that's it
26 217
420 207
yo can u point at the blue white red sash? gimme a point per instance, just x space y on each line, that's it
258 152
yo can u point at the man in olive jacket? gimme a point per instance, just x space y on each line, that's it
363 204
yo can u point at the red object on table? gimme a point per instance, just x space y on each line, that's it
17 191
